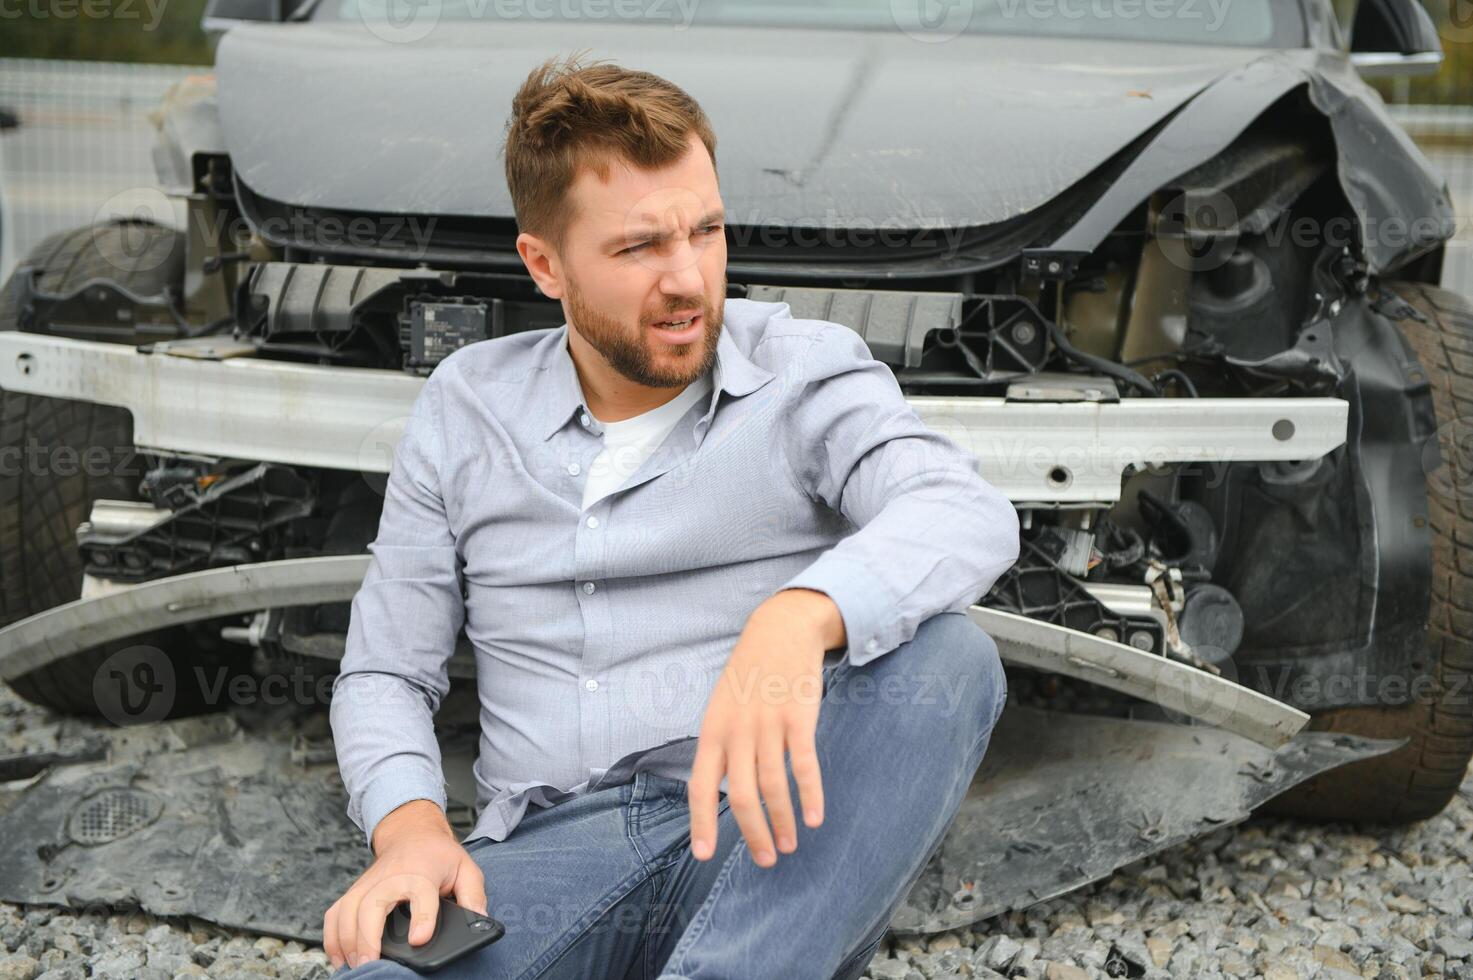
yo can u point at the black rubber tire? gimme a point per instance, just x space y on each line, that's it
1418 780
46 490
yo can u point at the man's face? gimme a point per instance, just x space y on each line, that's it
645 248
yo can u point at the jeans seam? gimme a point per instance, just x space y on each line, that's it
871 948
656 887
698 925
988 729
997 709
580 931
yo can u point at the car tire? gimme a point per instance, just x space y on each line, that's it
1418 780
57 456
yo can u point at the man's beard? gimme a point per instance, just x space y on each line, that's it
630 354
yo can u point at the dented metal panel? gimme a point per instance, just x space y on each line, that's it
1401 204
1209 698
65 630
1064 799
847 150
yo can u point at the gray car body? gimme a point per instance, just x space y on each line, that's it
998 143
817 129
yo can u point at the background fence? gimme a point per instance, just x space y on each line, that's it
83 149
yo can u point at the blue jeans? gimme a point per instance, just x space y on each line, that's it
604 885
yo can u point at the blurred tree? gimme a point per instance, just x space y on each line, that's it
154 31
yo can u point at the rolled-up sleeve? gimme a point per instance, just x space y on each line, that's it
401 634
932 534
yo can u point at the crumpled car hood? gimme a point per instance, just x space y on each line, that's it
821 129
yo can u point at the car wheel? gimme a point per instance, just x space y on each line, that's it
57 456
1418 780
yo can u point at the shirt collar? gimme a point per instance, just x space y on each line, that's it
734 373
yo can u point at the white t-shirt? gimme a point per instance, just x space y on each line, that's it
628 443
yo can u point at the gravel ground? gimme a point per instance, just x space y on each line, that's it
1268 898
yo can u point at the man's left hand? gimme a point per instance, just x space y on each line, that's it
765 705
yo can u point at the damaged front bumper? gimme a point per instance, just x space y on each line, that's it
1059 447
196 817
253 833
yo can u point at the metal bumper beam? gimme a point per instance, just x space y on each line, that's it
206 396
68 629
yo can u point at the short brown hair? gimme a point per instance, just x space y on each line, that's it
568 116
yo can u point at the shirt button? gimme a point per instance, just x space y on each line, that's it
573 469
591 684
585 419
593 522
588 588
872 646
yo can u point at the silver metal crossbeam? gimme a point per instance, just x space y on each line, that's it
68 629
1175 686
182 400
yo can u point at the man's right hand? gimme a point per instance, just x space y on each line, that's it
418 859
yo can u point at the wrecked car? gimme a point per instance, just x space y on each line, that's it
1172 280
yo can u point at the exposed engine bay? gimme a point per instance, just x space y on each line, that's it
1197 548
1182 366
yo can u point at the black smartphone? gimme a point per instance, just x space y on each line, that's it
458 931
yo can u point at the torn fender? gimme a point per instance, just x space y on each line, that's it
1402 206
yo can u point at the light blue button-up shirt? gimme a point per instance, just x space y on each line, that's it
599 635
